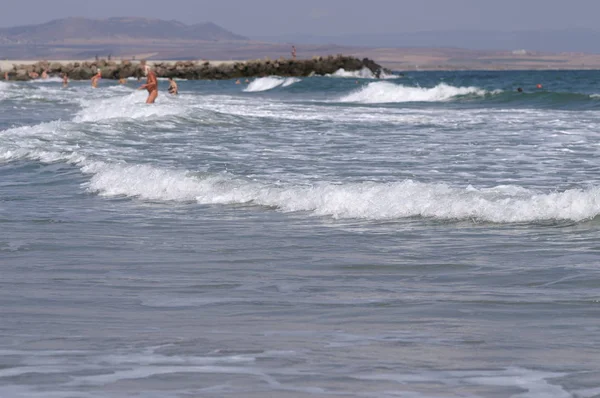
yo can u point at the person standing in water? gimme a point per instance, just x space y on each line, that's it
173 89
151 85
6 76
96 77
65 80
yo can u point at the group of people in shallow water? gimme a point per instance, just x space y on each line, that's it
151 82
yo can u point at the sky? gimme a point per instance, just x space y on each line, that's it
262 18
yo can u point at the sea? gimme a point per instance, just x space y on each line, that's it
435 234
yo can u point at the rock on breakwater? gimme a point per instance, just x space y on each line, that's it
196 70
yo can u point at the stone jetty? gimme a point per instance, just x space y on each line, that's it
196 70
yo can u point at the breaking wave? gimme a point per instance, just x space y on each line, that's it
359 200
269 83
364 73
128 107
385 92
4 87
53 79
369 201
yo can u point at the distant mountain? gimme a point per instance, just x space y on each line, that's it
70 30
568 40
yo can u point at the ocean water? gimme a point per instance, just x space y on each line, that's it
435 235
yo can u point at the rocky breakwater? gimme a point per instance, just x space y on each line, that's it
196 70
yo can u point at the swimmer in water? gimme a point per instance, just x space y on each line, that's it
65 80
173 89
96 78
151 85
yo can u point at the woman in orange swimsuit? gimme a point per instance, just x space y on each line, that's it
151 85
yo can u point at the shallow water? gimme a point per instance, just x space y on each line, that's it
430 236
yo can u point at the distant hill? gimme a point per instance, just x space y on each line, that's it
81 30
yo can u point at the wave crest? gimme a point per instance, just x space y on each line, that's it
385 92
131 106
269 83
364 73
53 79
369 201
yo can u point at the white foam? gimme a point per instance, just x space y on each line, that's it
26 142
385 92
145 182
131 106
535 383
4 89
388 76
121 88
289 81
364 73
370 201
150 357
53 79
43 156
269 83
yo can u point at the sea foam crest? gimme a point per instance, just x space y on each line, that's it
128 107
364 73
370 201
269 83
385 92
53 79
3 90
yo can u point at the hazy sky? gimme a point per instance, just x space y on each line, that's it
326 17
